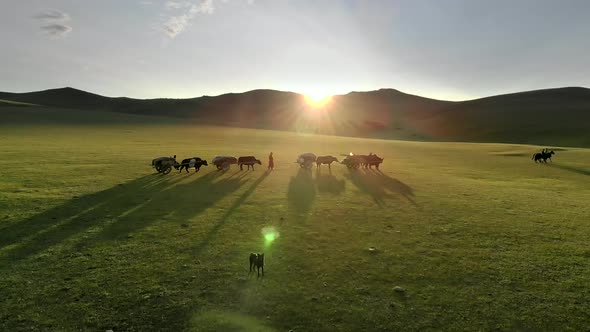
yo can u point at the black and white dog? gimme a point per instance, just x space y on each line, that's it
257 262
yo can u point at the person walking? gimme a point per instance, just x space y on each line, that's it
271 162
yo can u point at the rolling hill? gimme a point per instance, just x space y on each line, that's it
550 117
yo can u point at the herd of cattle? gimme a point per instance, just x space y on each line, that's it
165 164
306 160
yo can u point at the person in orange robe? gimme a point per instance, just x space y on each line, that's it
271 161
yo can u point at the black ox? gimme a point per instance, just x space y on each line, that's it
187 163
371 160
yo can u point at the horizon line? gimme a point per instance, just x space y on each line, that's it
302 94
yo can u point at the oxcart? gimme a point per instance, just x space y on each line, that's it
306 160
223 162
164 164
352 161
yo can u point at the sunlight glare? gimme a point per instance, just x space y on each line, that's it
317 99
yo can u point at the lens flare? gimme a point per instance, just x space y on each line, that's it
270 234
317 100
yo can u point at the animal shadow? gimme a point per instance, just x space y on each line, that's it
573 169
114 213
328 183
380 186
235 206
301 192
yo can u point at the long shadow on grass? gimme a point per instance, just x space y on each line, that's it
213 231
328 183
380 186
573 169
130 302
76 209
301 192
177 204
114 213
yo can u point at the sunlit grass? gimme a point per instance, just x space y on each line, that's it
478 235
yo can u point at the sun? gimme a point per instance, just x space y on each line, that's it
317 100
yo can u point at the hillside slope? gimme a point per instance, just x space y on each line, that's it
551 117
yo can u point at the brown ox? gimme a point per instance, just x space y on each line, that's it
326 160
249 161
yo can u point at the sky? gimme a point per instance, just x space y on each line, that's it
444 49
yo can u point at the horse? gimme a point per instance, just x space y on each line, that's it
543 156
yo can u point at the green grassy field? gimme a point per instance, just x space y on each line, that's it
477 235
9 103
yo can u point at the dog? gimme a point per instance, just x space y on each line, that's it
257 261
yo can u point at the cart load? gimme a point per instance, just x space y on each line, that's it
164 164
306 160
223 162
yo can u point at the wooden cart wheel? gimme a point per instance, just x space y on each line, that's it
166 169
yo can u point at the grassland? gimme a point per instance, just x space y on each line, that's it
9 103
477 235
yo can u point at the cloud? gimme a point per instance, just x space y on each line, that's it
176 24
53 15
177 5
146 3
186 11
204 6
57 30
54 23
250 2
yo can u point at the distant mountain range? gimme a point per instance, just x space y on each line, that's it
550 117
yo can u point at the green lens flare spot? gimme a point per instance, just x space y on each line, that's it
270 234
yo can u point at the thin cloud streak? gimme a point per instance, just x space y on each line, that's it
54 23
57 30
52 15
